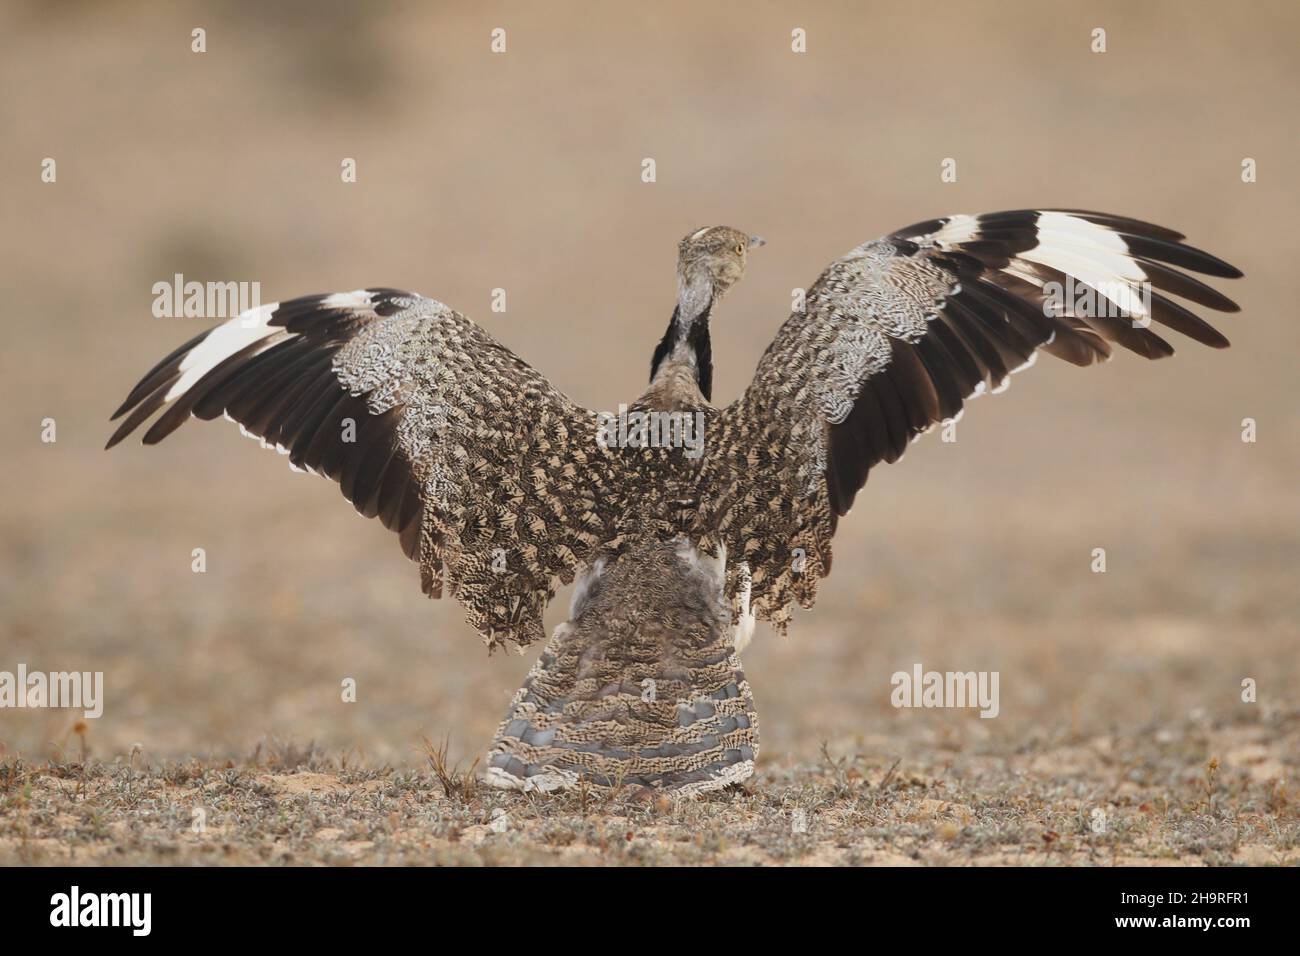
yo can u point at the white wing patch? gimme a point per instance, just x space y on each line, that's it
1092 254
225 340
357 300
958 229
1058 230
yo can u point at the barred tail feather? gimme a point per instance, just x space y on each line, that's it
641 688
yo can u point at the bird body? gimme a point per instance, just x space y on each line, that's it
500 487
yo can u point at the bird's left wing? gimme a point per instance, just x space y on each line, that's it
487 472
894 337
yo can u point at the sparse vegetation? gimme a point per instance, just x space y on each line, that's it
1169 801
456 784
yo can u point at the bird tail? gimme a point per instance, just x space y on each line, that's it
641 687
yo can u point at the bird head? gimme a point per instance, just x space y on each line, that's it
709 262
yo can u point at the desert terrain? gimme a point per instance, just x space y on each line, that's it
1122 734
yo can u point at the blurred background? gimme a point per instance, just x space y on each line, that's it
522 171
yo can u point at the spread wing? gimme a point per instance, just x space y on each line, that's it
896 336
426 422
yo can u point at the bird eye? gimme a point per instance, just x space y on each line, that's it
740 249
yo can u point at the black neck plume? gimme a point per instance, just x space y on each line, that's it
696 336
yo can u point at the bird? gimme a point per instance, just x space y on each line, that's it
682 523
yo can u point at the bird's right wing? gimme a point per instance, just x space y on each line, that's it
483 468
895 337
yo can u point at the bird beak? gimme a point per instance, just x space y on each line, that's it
756 241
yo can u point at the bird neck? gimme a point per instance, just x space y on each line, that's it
683 360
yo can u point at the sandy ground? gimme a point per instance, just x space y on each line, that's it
1120 691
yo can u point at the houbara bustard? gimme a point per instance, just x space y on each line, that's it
682 523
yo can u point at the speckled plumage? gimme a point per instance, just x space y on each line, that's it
895 337
641 687
500 488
